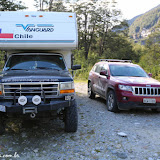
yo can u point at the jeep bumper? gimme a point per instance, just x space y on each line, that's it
132 105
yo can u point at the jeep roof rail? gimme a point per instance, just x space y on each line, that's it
115 60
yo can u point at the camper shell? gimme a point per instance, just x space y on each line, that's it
35 81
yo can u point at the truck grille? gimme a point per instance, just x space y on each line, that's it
146 91
30 89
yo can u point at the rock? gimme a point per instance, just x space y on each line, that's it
121 155
24 135
118 146
122 134
36 150
137 123
54 145
156 155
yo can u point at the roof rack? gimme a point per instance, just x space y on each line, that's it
116 60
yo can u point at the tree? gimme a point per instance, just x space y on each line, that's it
94 19
11 5
50 5
57 6
40 4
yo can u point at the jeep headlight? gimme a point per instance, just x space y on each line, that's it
125 88
66 87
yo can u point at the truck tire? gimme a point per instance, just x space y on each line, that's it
91 94
112 102
71 118
2 127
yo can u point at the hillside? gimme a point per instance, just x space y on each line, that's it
133 19
145 24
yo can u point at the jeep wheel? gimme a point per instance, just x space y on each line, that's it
111 102
90 92
71 119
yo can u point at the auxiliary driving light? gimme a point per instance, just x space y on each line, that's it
36 100
22 100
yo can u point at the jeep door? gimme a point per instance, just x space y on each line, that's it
96 83
103 80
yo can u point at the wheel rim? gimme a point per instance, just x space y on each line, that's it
110 102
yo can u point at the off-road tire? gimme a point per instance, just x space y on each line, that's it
71 118
2 127
91 94
111 102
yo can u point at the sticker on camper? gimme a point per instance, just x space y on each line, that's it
37 28
5 35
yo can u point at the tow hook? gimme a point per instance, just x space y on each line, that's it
32 115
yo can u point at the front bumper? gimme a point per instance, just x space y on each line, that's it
126 100
133 105
43 107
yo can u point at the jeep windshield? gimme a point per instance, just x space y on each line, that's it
127 70
35 62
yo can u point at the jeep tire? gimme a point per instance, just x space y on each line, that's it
91 94
71 119
112 102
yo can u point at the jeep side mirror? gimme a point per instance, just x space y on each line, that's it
150 74
75 67
104 73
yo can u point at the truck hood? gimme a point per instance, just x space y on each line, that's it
35 76
135 81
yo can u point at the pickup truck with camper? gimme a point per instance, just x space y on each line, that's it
35 82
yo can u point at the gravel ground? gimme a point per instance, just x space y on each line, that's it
101 135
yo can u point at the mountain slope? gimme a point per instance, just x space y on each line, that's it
145 22
133 19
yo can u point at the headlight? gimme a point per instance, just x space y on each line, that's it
125 88
66 87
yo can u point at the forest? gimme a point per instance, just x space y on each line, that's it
103 33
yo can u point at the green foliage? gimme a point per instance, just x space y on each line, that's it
86 65
150 60
11 5
1 60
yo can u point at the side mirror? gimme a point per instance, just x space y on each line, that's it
103 73
5 58
75 67
150 74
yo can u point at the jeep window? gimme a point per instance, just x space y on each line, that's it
126 70
104 68
32 62
98 68
94 68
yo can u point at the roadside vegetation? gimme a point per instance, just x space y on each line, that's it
103 34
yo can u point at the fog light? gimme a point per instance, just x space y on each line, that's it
36 100
22 100
124 98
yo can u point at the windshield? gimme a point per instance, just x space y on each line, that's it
33 62
126 70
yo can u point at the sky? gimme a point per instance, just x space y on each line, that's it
129 8
132 8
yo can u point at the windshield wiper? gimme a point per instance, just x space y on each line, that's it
16 69
47 68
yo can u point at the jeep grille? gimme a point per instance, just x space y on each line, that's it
146 91
50 89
